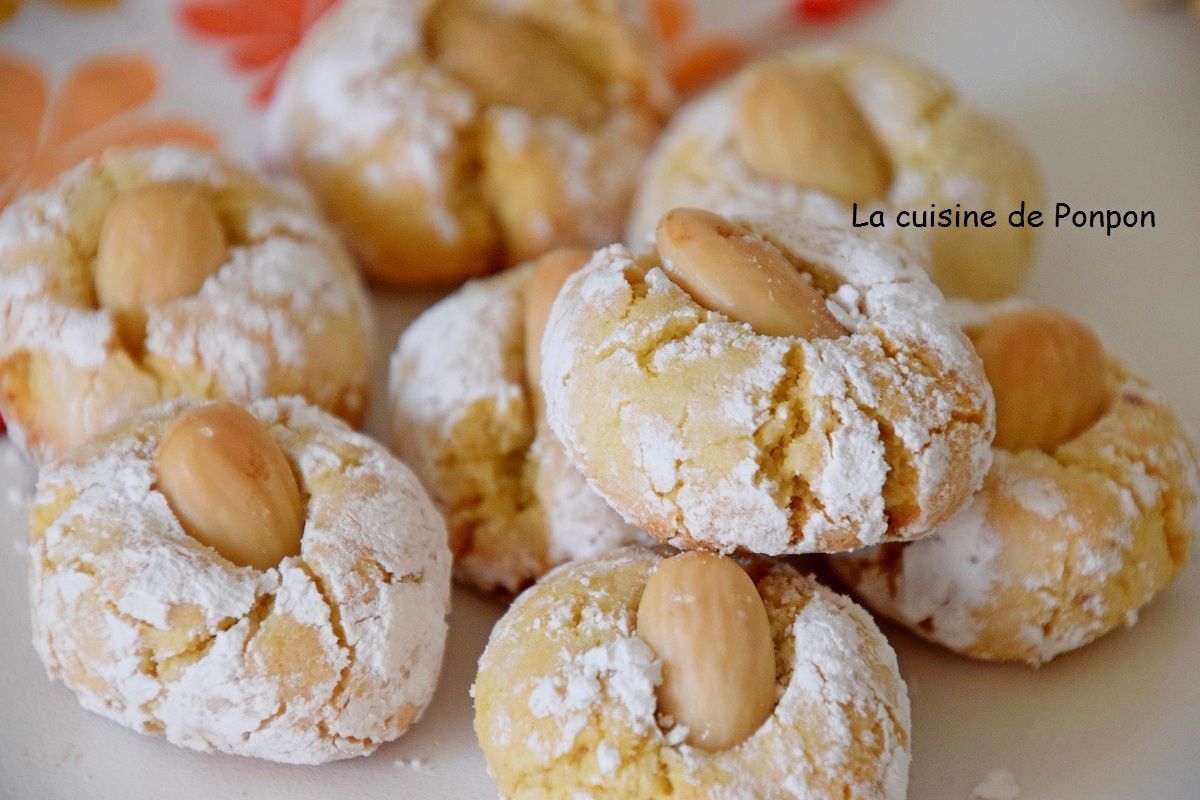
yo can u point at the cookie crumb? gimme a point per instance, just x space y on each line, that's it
410 763
999 784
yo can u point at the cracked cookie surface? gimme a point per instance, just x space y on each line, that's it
935 148
565 701
284 313
326 656
463 419
708 434
1059 547
447 138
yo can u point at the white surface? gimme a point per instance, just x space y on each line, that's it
1111 102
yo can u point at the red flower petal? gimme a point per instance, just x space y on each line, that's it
218 19
266 85
264 32
315 9
287 15
823 11
255 52
231 18
706 61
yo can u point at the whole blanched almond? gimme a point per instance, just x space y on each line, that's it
703 617
550 272
230 485
729 269
506 61
1048 373
158 242
799 126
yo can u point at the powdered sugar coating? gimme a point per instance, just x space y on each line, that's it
1056 549
326 656
366 99
285 313
462 418
715 173
704 432
579 523
565 697
342 76
939 151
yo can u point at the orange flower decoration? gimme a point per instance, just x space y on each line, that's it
695 61
96 108
693 64
10 7
264 32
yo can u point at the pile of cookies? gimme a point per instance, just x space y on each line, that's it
633 438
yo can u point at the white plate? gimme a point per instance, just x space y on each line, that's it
1111 101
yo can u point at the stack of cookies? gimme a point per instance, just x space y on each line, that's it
635 439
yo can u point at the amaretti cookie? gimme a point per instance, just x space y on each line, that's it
1088 511
467 419
636 674
266 582
815 130
446 138
760 384
146 274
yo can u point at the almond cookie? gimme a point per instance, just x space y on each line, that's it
815 130
142 275
636 674
1087 513
265 583
760 384
467 419
448 138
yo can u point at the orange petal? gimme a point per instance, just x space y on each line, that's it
133 132
235 17
289 14
670 18
705 61
824 11
22 106
97 91
252 52
223 19
314 10
266 84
